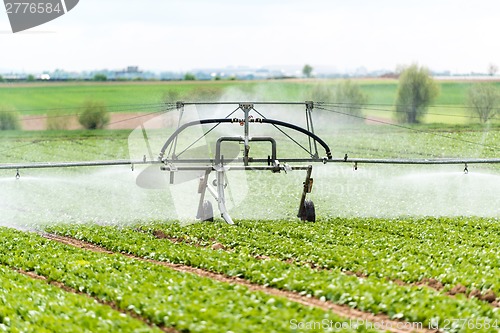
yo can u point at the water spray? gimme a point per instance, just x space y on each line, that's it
247 116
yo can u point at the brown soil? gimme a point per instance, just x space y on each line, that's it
110 304
218 246
475 293
432 283
116 121
157 233
458 289
340 310
489 296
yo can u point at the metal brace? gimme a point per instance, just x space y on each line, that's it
202 188
173 170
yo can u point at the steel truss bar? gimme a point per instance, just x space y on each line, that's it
354 160
47 165
234 168
421 161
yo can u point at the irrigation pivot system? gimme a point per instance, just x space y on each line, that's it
247 116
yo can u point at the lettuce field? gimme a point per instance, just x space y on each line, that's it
393 248
259 276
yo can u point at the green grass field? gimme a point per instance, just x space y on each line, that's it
49 98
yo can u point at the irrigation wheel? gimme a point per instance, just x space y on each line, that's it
308 212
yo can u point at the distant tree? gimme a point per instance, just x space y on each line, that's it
205 94
347 98
30 78
492 69
1 78
416 91
322 93
307 70
350 98
94 115
100 77
171 96
189 77
484 100
9 119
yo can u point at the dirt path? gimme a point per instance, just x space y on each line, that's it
340 310
110 304
130 120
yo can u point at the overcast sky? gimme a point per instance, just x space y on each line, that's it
457 35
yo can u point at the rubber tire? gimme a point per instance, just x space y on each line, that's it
208 212
309 213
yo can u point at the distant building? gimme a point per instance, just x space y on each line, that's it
133 69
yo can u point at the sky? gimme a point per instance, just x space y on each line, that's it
179 35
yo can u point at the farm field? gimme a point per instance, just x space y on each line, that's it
311 260
56 99
399 269
394 248
405 286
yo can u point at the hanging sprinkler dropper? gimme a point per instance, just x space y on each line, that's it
17 174
466 169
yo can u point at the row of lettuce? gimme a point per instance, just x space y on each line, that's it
373 293
29 305
450 250
163 297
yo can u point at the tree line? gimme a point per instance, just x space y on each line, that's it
416 91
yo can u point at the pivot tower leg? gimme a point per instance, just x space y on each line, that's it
306 207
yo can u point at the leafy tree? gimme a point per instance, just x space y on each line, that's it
347 97
30 78
307 70
94 115
171 96
484 100
416 91
1 78
100 77
205 94
189 77
350 98
9 119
